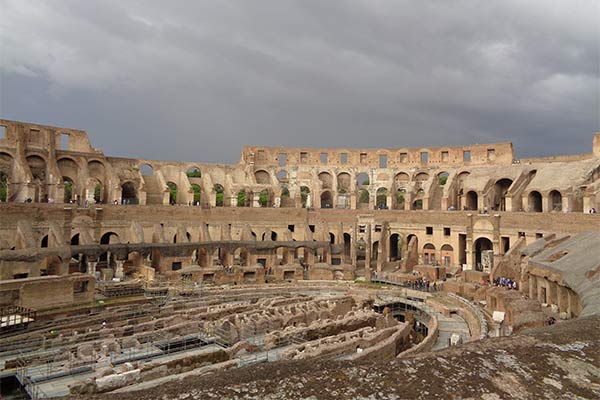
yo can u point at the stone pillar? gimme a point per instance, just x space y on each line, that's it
119 269
256 200
91 267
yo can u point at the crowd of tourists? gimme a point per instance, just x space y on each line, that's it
505 282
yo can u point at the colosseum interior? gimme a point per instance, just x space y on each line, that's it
446 272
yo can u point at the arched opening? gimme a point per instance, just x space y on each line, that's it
429 254
264 198
363 198
110 238
443 178
344 184
272 236
471 200
172 187
556 200
417 204
187 235
146 170
400 197
344 181
241 198
331 238
286 200
420 178
362 179
68 190
262 177
483 254
197 193
347 245
3 187
37 166
219 195
98 193
44 242
193 172
305 197
447 254
498 202
51 265
326 199
6 165
374 251
395 247
381 199
105 259
535 201
415 242
326 180
128 193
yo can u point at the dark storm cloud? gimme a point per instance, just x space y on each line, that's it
197 80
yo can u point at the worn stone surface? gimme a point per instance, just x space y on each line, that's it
559 362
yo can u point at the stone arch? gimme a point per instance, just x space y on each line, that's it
265 198
69 170
305 197
471 200
381 198
243 198
146 169
344 182
362 179
286 199
417 203
442 178
219 195
110 238
429 254
331 238
535 201
326 180
262 177
6 165
401 179
421 177
172 188
501 187
193 172
37 166
326 199
69 189
51 265
447 255
363 198
68 167
129 193
555 200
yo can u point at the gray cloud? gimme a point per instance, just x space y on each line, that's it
197 80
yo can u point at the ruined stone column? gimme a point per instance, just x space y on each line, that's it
91 267
119 269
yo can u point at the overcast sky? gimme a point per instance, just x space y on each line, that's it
197 80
